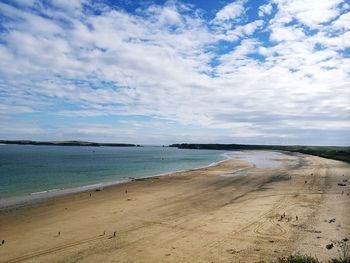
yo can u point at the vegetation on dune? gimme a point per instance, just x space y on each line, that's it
337 153
344 253
343 250
308 259
331 152
336 260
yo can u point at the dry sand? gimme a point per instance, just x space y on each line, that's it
194 216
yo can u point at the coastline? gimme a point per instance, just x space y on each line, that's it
42 196
192 216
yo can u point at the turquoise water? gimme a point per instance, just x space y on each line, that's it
30 170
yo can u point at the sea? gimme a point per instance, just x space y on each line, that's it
32 172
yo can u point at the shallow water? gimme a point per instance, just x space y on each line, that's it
45 170
29 173
261 159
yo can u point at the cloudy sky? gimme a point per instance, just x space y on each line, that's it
159 72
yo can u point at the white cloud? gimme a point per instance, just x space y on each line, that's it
231 11
168 62
250 28
242 31
265 9
281 33
311 13
343 22
168 15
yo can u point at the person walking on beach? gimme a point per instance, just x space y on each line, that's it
59 233
296 218
3 242
115 234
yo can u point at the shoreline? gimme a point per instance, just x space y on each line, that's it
192 216
45 195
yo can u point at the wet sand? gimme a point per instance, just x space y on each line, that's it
194 216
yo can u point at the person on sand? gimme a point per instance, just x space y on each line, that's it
296 218
59 233
126 191
3 242
115 234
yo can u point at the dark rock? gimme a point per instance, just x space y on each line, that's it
329 246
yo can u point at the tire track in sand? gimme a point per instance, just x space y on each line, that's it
53 250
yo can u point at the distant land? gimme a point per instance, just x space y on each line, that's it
341 153
67 143
332 152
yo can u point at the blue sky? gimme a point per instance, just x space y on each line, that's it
160 72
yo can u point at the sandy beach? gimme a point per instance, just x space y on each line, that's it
248 215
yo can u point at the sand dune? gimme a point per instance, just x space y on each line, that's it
194 216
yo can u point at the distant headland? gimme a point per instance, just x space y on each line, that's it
67 143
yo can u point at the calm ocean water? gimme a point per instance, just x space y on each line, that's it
36 170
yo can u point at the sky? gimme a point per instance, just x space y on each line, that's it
162 72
